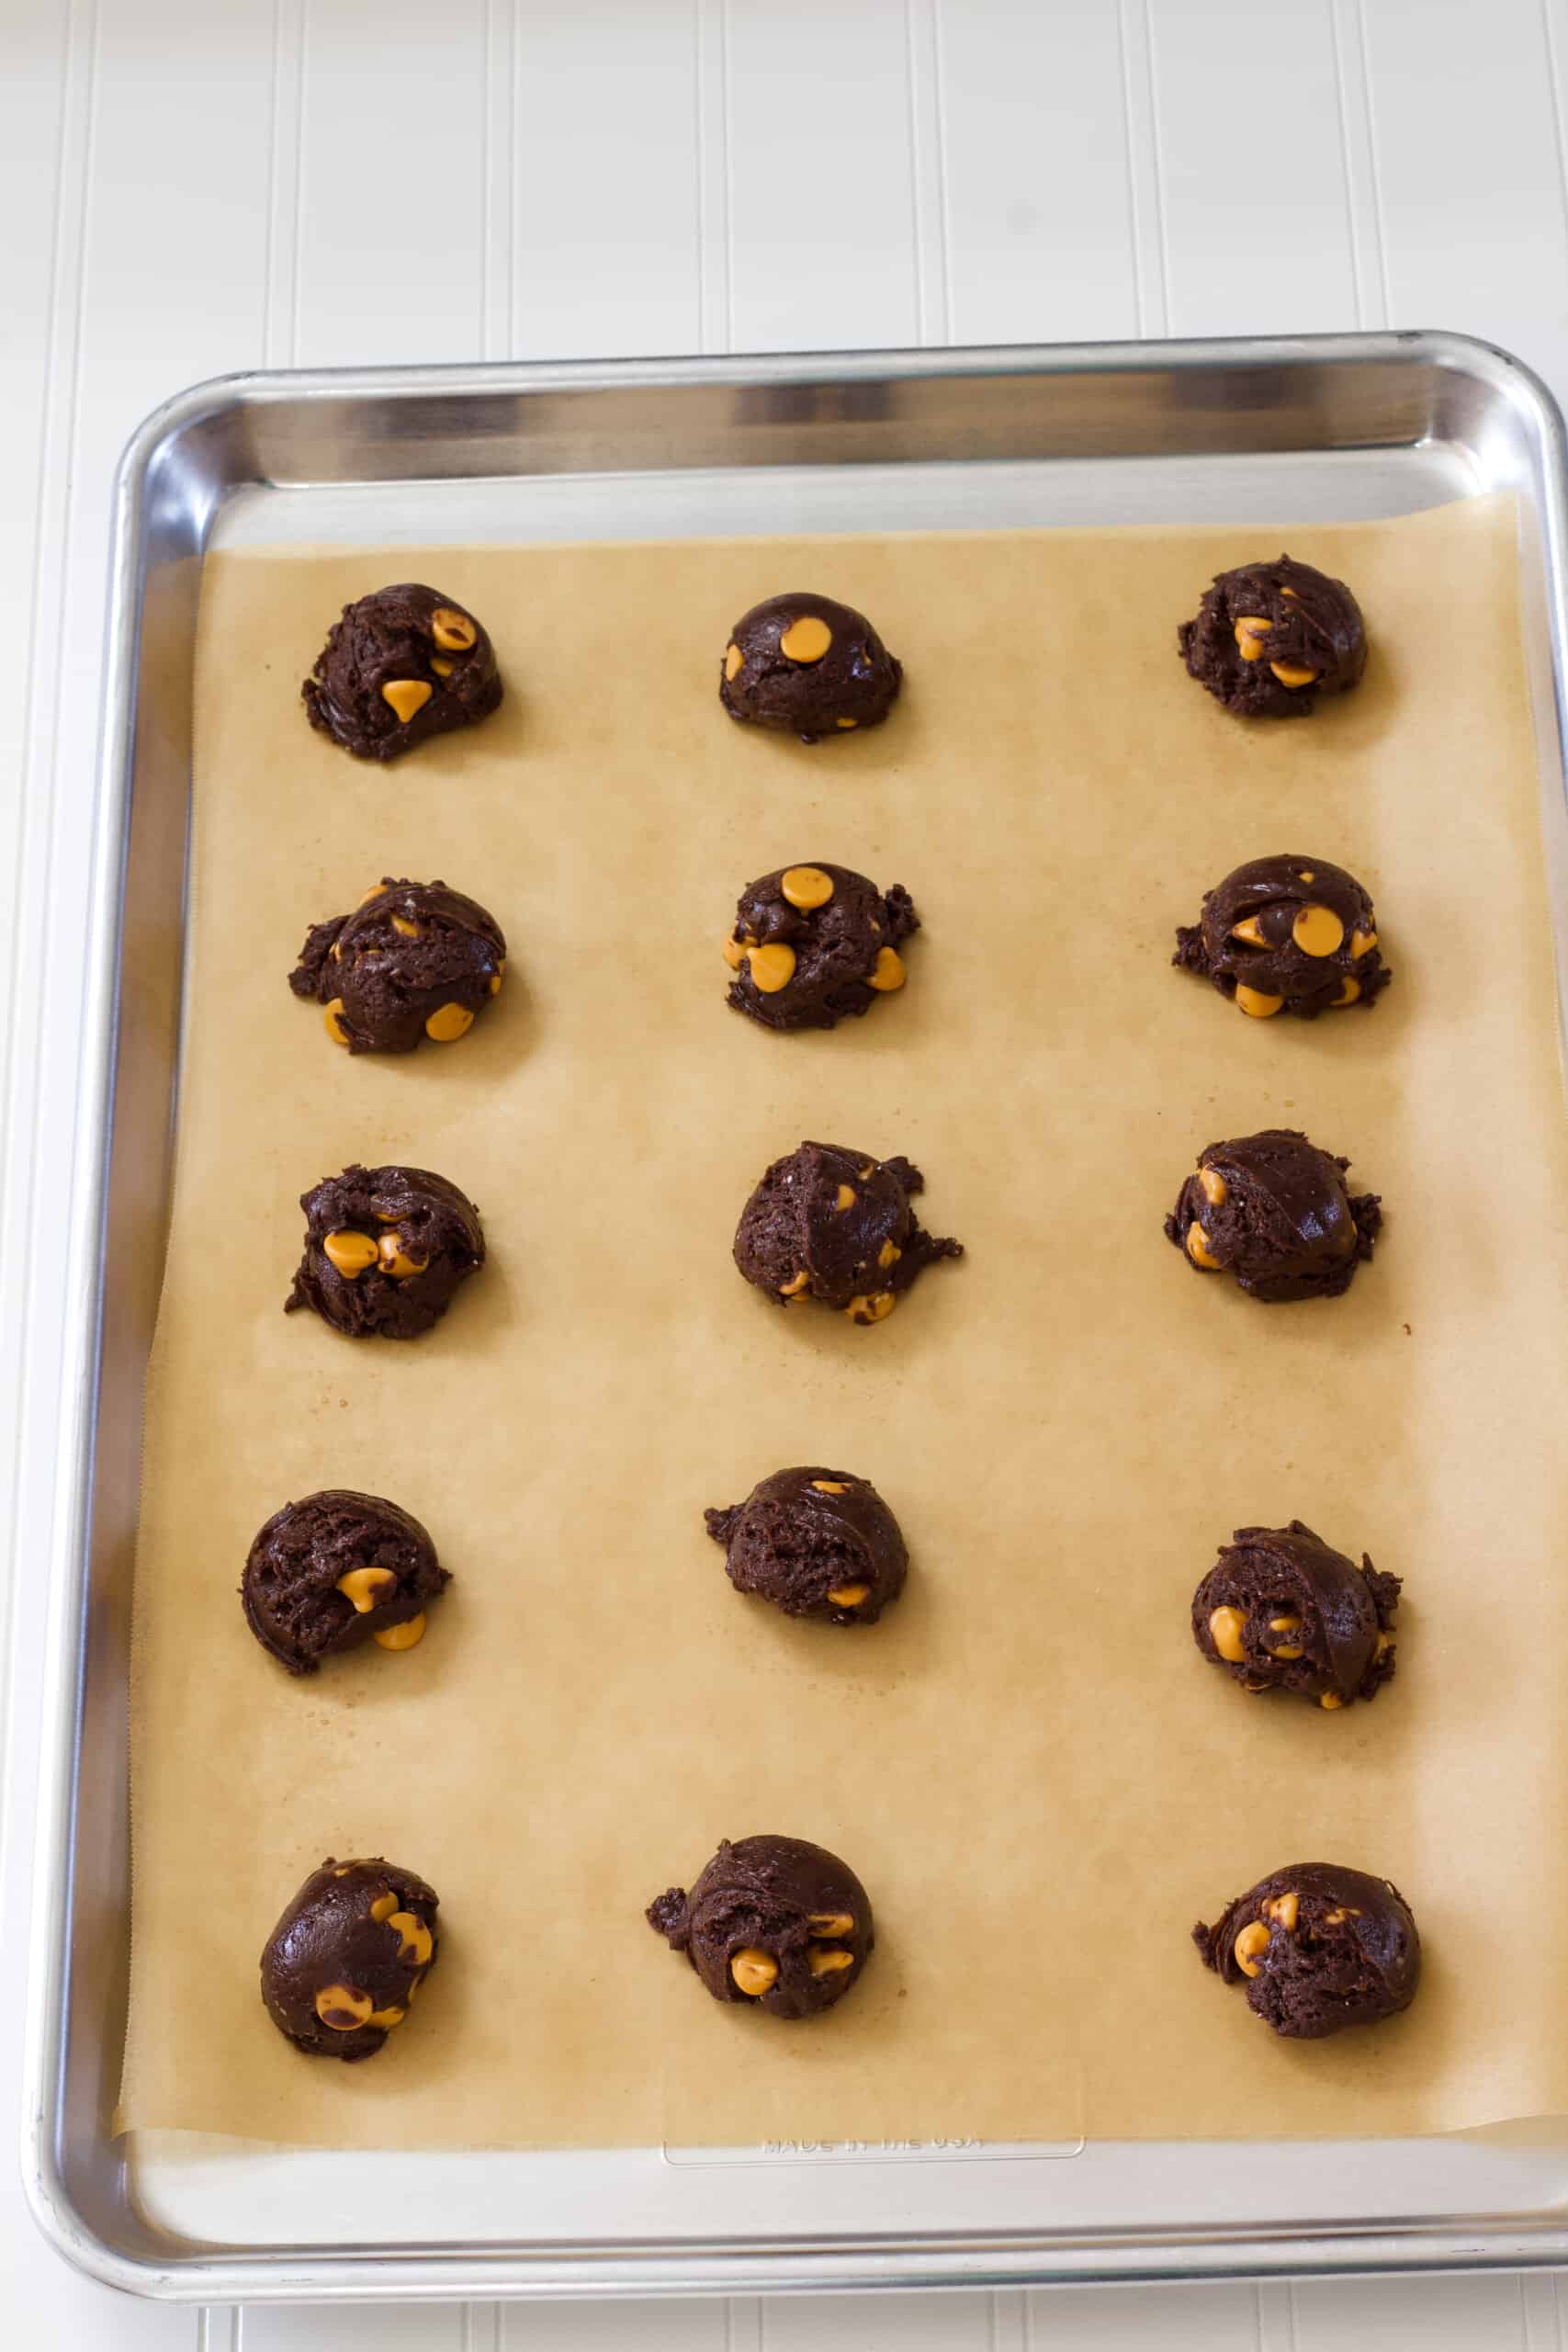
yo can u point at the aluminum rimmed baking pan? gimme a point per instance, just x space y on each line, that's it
1346 428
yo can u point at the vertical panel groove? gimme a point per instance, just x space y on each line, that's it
498 180
714 309
281 253
745 2328
1374 190
1538 2312
1151 271
40 806
1554 87
726 115
512 144
1275 2316
481 2327
294 304
1162 242
928 172
944 201
1344 165
1009 2319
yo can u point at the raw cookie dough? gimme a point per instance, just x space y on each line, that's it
413 960
1317 1946
809 666
836 1226
1271 637
402 664
385 1248
1272 1210
1280 1610
336 1569
774 1921
345 1962
815 1543
1286 935
814 942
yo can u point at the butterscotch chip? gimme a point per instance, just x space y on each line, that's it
754 1973
454 631
448 1023
807 886
363 1587
351 1253
407 695
397 1261
400 1637
771 968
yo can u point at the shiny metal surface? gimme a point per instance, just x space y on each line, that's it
1345 426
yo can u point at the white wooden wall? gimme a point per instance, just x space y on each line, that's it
189 187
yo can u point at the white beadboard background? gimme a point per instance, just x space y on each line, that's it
189 187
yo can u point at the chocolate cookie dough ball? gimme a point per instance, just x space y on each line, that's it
402 665
336 1569
1286 935
413 960
385 1248
1272 1210
1317 1946
1271 637
345 1962
774 1921
814 942
836 1226
1280 1610
808 666
817 1544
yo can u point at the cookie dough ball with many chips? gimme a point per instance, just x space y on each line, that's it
335 1569
413 960
1272 1210
808 667
813 944
1286 935
817 1544
1280 1610
1270 638
402 664
385 1250
836 1227
1318 1946
348 1956
774 1921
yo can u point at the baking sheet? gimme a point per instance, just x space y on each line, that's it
1026 1761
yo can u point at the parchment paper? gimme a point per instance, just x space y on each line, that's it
1039 1780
